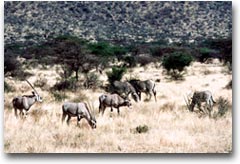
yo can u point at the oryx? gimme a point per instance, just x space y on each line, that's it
26 101
79 110
147 86
198 97
125 89
112 100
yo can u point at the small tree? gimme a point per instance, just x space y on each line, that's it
175 63
116 74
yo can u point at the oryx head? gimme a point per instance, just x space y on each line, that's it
92 122
135 96
127 102
35 93
38 98
188 101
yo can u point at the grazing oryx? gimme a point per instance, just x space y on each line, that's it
112 100
79 110
25 102
147 86
124 89
199 97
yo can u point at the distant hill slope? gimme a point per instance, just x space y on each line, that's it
117 21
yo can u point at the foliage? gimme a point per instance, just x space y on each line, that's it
92 81
116 74
142 129
224 45
223 106
68 84
59 96
176 62
12 66
101 49
130 61
204 53
8 88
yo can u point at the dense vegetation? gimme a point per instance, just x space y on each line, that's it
76 55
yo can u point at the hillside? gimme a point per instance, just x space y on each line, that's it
117 21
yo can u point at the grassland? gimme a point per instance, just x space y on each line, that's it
171 127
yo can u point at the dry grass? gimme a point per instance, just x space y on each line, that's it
171 128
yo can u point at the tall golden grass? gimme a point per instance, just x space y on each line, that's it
171 127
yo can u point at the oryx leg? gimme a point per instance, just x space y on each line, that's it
154 93
79 119
103 109
15 112
118 111
63 117
139 95
68 119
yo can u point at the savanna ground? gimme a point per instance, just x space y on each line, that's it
171 127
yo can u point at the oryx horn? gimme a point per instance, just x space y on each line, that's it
31 86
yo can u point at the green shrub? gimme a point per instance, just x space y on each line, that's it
8 88
59 96
92 81
130 61
142 129
116 74
176 62
69 84
223 106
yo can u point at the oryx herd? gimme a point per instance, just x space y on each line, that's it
118 97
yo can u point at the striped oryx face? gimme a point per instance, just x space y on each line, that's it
38 98
135 97
93 123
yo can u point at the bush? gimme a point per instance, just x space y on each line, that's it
176 62
142 129
59 96
130 61
69 84
8 88
223 106
92 81
116 74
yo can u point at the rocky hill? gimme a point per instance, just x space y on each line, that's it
117 21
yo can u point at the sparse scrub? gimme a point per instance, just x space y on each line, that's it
223 106
167 125
167 107
41 82
206 71
59 96
142 129
92 81
69 84
8 88
79 97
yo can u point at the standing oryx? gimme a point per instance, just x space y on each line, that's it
199 97
147 86
25 102
112 100
79 110
124 89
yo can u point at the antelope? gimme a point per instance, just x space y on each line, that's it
112 100
199 97
79 110
25 102
124 89
147 86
